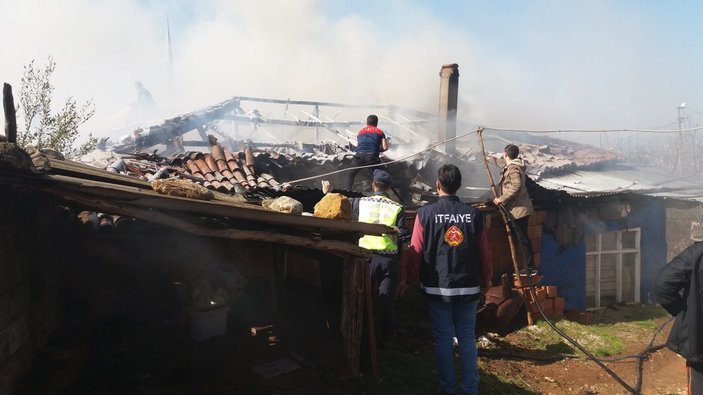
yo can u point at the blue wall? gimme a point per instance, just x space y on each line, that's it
566 268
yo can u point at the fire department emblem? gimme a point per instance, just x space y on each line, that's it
453 236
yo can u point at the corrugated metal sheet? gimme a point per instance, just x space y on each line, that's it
624 179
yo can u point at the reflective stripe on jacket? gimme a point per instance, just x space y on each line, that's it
379 210
451 266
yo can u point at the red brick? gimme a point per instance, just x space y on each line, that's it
551 291
559 306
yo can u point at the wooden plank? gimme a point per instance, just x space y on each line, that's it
147 198
370 320
332 246
8 104
352 314
80 170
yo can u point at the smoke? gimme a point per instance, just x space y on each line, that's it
581 65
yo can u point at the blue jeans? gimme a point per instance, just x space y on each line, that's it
450 319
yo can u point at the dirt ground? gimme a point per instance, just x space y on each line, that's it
153 354
508 366
663 373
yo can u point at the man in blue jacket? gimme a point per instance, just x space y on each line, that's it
449 252
679 290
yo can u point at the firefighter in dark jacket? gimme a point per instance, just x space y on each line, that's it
679 290
385 263
449 253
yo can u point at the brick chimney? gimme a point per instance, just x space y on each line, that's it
448 93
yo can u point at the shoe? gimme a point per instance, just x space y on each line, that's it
529 271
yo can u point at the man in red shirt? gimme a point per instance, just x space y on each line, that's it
370 142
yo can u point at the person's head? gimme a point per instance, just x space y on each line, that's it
448 179
382 181
372 120
512 151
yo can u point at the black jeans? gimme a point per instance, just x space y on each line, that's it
695 378
524 241
362 159
384 270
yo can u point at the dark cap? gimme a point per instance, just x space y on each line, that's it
382 177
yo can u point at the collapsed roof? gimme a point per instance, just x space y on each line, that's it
289 141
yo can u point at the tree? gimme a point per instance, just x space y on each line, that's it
43 129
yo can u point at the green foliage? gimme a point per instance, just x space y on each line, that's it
43 129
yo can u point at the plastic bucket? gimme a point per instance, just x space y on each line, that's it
209 323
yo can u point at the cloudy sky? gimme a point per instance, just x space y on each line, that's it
523 64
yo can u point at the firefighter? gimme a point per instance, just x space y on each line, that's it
370 142
449 253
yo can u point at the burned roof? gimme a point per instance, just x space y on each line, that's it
86 187
555 164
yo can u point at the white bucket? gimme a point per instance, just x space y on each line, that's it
209 323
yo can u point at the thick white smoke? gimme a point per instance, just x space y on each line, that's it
581 65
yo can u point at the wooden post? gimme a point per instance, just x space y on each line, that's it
353 307
8 104
511 241
279 276
370 318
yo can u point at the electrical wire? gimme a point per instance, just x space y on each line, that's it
593 130
432 146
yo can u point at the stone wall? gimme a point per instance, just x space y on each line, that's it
30 281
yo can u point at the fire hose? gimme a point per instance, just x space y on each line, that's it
522 240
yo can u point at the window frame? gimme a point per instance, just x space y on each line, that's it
619 251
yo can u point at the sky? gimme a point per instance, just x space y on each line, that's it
523 64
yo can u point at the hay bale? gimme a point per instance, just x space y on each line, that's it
182 188
334 206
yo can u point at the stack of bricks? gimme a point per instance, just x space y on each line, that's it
500 247
552 305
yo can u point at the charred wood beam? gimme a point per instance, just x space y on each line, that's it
147 198
302 147
8 104
175 127
356 283
390 107
311 103
333 246
76 169
287 122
